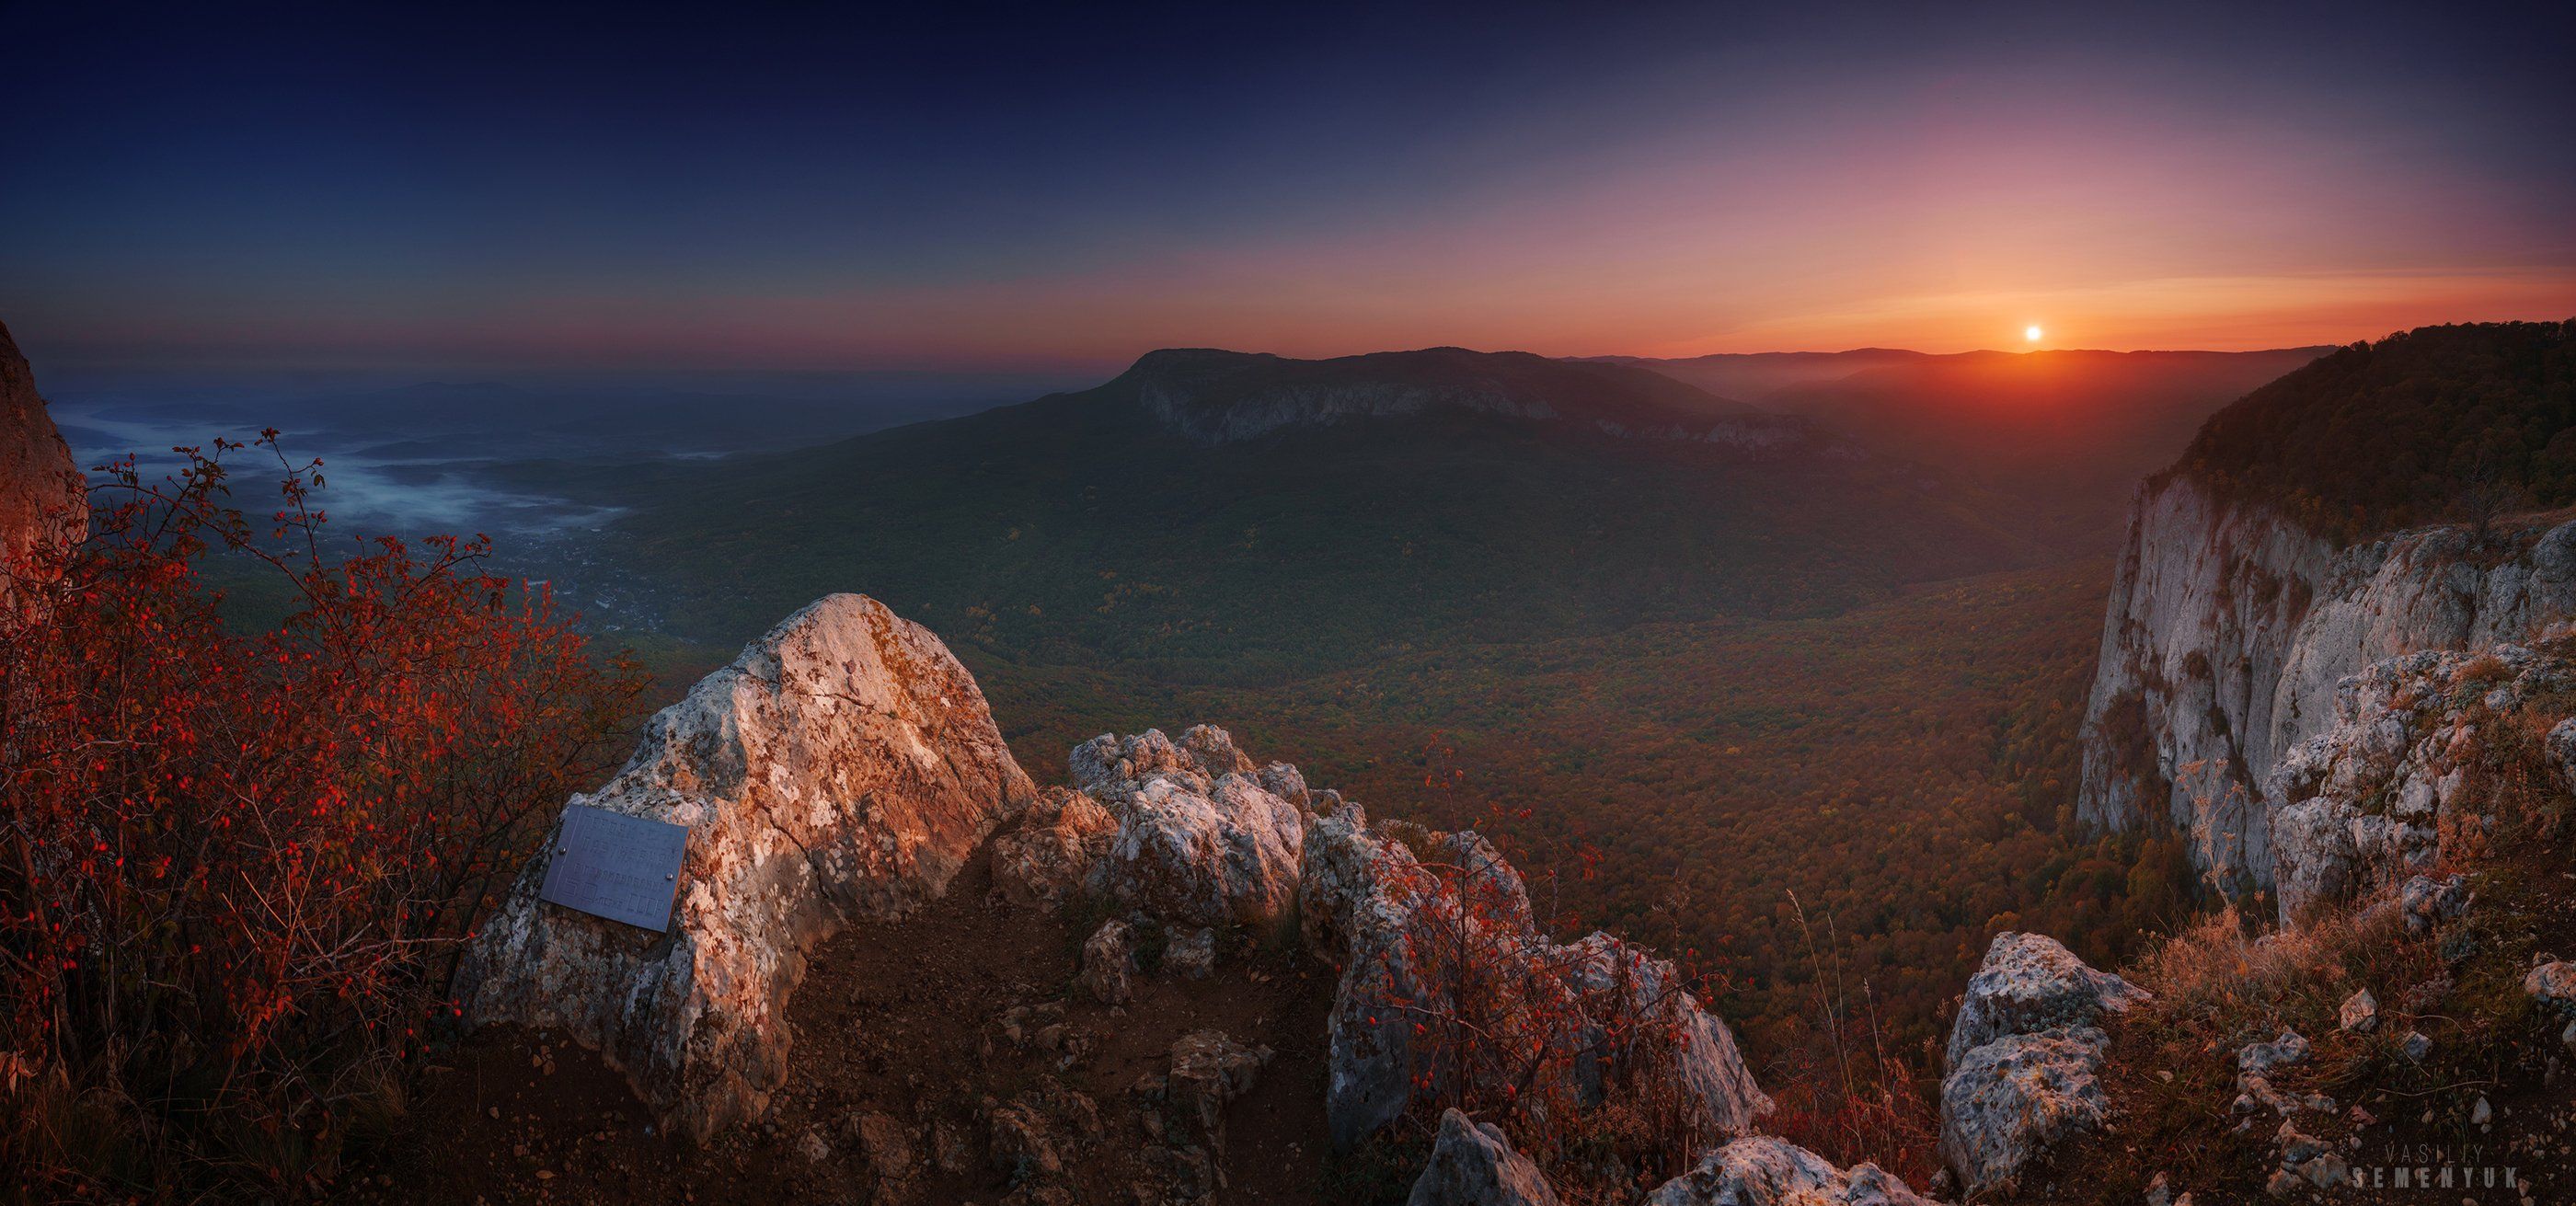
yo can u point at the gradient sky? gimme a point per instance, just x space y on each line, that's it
259 185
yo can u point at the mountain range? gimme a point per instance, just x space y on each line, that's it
1230 512
1237 511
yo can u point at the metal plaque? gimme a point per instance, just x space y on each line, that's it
611 865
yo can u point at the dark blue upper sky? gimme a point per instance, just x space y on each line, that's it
820 186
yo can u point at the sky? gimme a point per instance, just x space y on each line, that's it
264 186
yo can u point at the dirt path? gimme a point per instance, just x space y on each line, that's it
908 1035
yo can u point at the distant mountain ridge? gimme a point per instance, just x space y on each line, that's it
1232 514
1215 396
2068 431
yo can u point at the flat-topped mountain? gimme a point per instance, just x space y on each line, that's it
1218 507
1215 396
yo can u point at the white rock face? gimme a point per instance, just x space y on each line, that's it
1202 838
844 766
1472 1164
2006 1103
2229 629
2029 983
2374 802
2025 1057
1766 1171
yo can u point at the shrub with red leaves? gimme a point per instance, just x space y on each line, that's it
235 866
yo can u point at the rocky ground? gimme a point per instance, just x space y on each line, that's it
2379 1053
897 971
936 1059
901 973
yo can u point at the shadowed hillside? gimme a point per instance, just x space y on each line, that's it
1225 515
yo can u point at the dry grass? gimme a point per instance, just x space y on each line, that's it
2219 977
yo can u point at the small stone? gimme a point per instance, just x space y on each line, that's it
2482 1113
1192 954
2160 1191
2361 1012
1109 962
2287 1049
2553 984
2416 1045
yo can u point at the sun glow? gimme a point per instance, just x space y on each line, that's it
2031 334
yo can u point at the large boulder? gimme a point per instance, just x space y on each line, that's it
1762 1170
1204 838
1409 930
1337 867
2031 982
1370 1037
1629 993
1472 1164
42 500
2025 1057
843 767
2008 1102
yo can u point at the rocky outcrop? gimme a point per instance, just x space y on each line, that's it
1041 862
1204 838
844 766
2397 785
2230 628
2029 983
2025 1057
42 500
1766 1171
1407 926
1627 992
1472 1164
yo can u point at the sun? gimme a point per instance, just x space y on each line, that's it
2031 334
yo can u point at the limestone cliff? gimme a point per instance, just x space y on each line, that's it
40 495
2230 627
